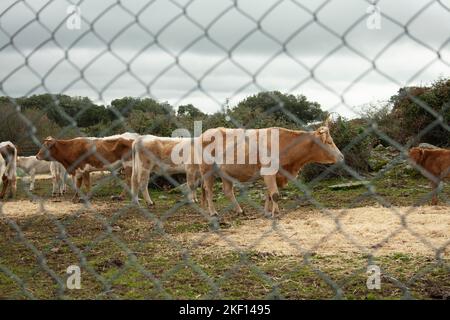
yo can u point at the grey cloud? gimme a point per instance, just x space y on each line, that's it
401 61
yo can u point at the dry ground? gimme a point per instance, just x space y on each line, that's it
28 209
375 230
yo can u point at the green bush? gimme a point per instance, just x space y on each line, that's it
412 118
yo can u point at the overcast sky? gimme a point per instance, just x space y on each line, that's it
219 49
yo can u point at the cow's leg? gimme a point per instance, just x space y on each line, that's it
227 186
55 184
434 187
198 183
32 178
208 184
5 184
143 186
203 200
87 183
13 190
64 177
127 171
61 184
135 187
268 203
272 188
192 183
77 179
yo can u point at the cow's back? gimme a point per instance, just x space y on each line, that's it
251 167
437 162
29 163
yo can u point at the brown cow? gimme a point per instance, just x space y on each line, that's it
8 165
80 156
295 149
435 163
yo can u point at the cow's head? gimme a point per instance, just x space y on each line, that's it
416 154
45 152
325 151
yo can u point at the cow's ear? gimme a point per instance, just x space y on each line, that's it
322 133
49 142
327 121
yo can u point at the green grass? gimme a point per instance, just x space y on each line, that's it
156 266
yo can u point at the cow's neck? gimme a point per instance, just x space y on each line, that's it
299 149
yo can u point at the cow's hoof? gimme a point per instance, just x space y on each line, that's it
117 198
214 222
267 214
80 200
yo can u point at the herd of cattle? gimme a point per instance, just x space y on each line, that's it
140 155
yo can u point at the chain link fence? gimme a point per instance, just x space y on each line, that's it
175 249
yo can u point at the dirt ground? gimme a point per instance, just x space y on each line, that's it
377 230
25 208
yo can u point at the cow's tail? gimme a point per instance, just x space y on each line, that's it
12 172
203 199
135 171
12 169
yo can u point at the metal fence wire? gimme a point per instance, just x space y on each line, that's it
26 34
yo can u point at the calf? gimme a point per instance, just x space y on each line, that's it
32 166
295 149
58 173
80 156
434 164
8 164
154 154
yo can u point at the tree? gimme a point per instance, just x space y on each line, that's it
409 108
285 108
190 111
126 105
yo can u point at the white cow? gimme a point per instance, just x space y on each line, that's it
154 154
8 159
33 166
59 175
